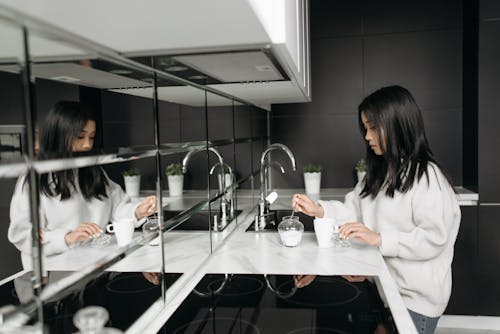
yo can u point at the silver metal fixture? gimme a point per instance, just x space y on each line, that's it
223 200
221 189
260 219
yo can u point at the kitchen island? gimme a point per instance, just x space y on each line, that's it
236 251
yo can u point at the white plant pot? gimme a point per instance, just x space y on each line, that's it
175 184
228 180
132 185
361 176
312 182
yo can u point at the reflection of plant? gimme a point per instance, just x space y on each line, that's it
174 169
131 172
360 165
166 61
312 168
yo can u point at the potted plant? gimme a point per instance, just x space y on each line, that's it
360 169
312 178
132 178
175 179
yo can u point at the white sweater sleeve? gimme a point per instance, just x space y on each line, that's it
122 206
21 226
436 215
349 211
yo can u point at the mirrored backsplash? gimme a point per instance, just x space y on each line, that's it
93 150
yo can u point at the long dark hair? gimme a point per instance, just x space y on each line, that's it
406 154
63 124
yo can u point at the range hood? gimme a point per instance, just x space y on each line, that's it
235 67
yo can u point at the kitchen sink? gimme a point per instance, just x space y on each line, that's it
275 218
199 221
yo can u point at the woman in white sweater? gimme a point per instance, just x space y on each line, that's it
406 205
75 204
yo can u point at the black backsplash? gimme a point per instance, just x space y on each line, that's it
358 47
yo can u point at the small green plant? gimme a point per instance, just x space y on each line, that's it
174 169
131 172
361 166
312 168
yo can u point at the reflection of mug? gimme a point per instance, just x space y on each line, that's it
324 228
123 229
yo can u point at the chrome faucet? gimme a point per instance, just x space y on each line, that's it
260 220
223 201
221 189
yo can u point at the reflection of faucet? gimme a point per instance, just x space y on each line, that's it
260 221
230 192
223 201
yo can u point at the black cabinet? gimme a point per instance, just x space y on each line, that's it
464 294
488 283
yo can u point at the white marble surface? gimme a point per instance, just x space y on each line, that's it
237 251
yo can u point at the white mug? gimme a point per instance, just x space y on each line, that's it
324 229
123 229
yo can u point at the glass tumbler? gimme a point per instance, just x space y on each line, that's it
91 319
290 230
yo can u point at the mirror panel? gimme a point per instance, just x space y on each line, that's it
16 285
90 247
121 96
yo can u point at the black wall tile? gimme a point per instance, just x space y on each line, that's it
243 161
193 124
335 18
170 122
334 141
242 122
337 75
220 123
259 123
49 92
489 9
444 132
11 99
429 64
392 16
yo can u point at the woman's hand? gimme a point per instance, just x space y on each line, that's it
146 208
82 232
301 281
360 232
354 278
153 278
304 204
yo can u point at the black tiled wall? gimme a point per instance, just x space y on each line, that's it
358 47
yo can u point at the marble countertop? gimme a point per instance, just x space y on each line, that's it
195 253
237 251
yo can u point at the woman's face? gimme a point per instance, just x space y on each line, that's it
85 140
371 135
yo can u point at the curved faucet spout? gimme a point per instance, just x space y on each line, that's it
263 167
188 156
278 146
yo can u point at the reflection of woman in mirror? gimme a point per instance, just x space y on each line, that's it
405 206
75 204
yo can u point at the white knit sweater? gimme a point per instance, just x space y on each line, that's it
418 231
57 217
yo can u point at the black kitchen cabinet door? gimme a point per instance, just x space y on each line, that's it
488 283
464 294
